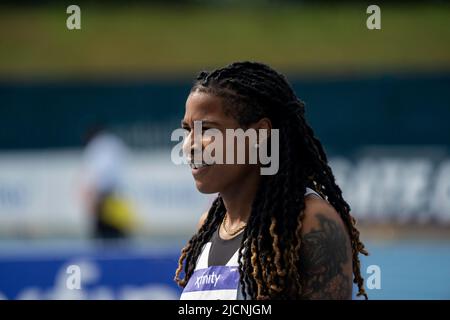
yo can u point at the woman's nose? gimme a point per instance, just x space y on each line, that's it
191 145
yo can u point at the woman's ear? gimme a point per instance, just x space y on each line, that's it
266 125
263 123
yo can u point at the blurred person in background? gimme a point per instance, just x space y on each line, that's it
104 162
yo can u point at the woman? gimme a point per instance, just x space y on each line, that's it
284 236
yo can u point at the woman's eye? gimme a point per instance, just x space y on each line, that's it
188 129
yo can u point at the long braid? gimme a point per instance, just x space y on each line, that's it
193 249
336 199
269 252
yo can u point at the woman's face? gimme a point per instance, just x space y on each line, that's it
213 178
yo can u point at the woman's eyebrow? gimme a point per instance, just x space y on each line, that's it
204 122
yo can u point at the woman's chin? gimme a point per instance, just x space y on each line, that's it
205 187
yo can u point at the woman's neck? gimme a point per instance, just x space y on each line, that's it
238 199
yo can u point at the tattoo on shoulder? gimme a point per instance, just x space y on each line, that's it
324 252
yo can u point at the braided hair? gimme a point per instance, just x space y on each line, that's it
269 252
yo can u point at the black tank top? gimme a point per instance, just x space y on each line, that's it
222 250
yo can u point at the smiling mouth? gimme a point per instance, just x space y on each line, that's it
198 165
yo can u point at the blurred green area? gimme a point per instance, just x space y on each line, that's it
156 40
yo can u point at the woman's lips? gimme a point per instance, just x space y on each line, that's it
198 170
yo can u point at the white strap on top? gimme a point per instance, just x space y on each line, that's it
311 191
234 260
202 262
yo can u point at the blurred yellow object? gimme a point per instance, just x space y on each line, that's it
118 213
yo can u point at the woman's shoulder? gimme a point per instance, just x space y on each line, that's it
317 210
